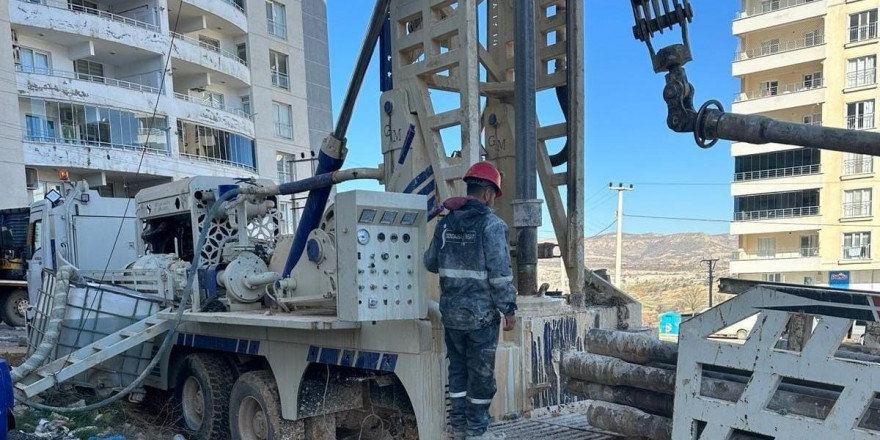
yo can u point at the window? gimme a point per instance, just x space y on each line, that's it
769 88
767 247
72 123
813 80
34 61
215 145
212 99
861 71
89 70
209 43
809 245
857 203
860 115
863 26
241 51
282 116
36 236
812 38
777 164
83 6
246 104
278 67
857 246
771 277
769 6
276 20
857 164
770 47
815 119
286 167
776 205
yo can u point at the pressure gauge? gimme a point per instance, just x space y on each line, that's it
363 236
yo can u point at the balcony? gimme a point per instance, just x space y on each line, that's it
785 260
193 51
60 85
780 97
58 21
775 220
280 80
782 54
776 180
214 114
762 15
229 16
777 173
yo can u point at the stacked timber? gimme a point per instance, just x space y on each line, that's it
631 380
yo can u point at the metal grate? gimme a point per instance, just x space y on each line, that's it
565 427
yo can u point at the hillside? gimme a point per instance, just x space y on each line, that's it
662 271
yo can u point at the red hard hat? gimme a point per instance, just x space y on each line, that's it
485 171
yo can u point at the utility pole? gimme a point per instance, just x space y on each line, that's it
618 266
710 263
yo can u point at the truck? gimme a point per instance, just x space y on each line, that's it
13 257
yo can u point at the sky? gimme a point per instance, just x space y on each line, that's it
626 137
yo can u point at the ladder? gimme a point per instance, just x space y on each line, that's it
81 360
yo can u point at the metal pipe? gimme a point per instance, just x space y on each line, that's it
380 12
315 182
526 151
333 150
756 129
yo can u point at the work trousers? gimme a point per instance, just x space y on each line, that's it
471 356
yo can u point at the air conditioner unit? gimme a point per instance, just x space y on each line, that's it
31 178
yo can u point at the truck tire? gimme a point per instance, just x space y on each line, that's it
255 408
14 308
201 396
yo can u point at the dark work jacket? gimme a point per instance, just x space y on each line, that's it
470 252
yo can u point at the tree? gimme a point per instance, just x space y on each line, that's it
693 298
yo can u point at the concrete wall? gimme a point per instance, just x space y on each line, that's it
12 176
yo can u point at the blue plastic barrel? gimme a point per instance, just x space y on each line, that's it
7 402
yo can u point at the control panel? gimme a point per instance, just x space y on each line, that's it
380 244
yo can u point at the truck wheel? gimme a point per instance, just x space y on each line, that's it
14 308
255 408
201 395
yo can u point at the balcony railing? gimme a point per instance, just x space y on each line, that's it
91 78
857 252
218 160
857 209
768 7
276 28
863 32
861 78
802 86
159 148
860 122
212 104
781 47
283 130
767 214
858 166
236 5
778 173
210 47
803 252
103 14
280 80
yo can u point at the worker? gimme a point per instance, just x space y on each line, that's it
470 252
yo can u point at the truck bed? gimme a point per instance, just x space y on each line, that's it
572 426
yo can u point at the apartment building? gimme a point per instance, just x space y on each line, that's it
806 216
130 93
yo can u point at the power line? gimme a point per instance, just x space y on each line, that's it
603 230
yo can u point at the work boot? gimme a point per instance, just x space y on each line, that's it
488 435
